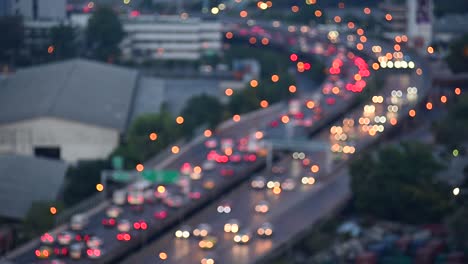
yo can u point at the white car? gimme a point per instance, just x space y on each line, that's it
76 250
113 211
124 225
94 242
64 238
208 165
224 208
78 222
183 232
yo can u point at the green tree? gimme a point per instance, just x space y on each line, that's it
138 146
104 33
12 37
201 110
457 226
39 219
81 180
458 55
398 183
451 131
64 40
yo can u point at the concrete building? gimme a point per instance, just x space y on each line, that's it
72 110
413 18
26 180
170 38
34 9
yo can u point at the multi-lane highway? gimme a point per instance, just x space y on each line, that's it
273 125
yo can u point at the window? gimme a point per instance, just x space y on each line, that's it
47 152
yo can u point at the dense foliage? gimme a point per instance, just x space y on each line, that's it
103 34
398 183
458 55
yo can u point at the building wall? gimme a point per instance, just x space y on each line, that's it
169 38
77 141
40 9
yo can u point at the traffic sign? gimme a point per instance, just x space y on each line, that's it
161 176
121 176
117 162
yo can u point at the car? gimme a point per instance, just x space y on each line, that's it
195 194
262 207
47 239
243 237
183 232
61 251
209 184
76 250
202 230
278 169
124 236
265 230
250 157
82 237
78 222
161 192
273 184
119 197
227 171
235 158
137 208
207 260
174 201
258 182
224 207
140 225
94 242
232 226
308 180
288 184
43 252
124 225
113 211
149 196
208 242
211 143
160 213
94 253
208 165
186 169
108 222
64 238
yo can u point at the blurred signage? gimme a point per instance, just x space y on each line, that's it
423 12
117 162
161 176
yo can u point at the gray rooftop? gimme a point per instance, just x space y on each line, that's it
78 90
25 179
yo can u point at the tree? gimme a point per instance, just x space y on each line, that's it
398 183
450 131
457 226
201 110
458 55
12 37
138 146
81 180
104 33
64 40
39 219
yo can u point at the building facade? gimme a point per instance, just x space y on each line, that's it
34 9
170 38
